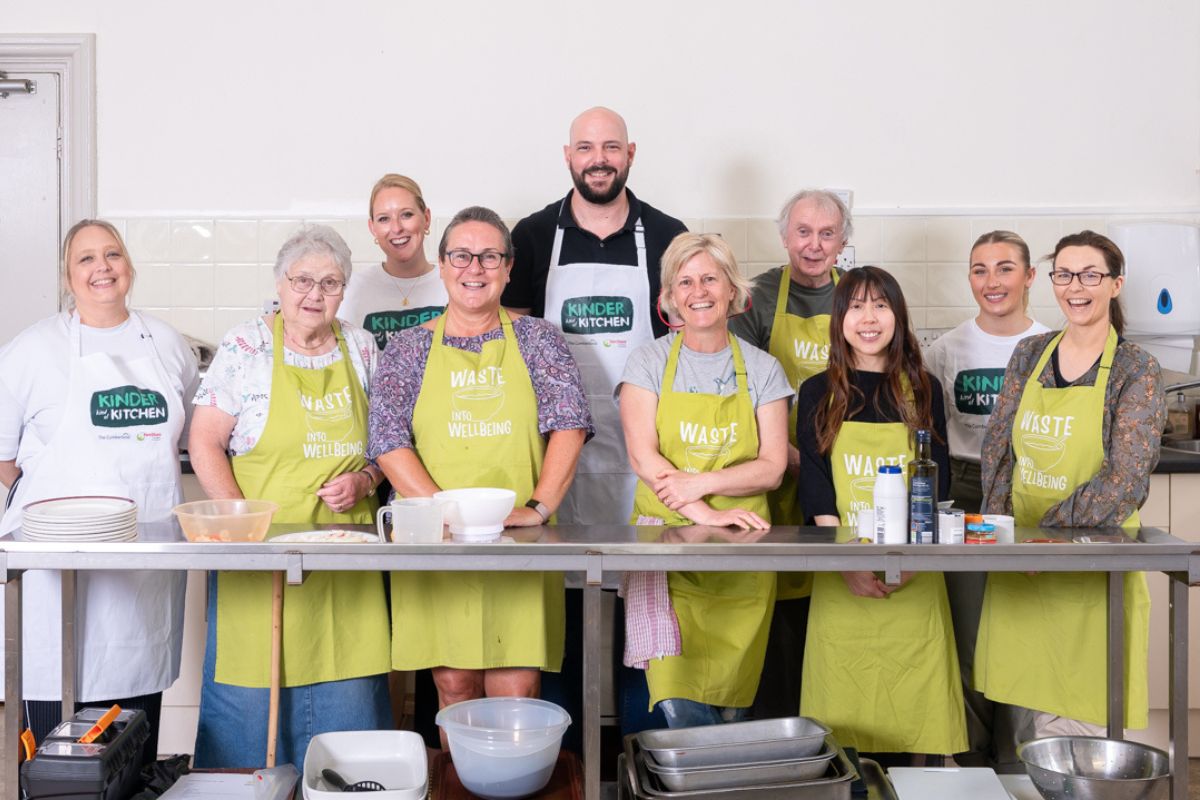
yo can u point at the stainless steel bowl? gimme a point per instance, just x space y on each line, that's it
1092 768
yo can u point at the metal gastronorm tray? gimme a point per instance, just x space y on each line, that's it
840 774
735 742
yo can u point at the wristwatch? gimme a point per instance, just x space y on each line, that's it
540 508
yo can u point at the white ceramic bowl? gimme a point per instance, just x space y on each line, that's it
394 758
504 747
476 514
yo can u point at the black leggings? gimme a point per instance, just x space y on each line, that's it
43 715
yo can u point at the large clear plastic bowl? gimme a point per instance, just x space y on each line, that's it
504 747
225 520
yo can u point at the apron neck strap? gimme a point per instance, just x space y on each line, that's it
439 327
739 365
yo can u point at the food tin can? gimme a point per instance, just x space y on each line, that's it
980 533
951 526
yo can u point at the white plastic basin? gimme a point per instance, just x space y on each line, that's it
504 747
394 758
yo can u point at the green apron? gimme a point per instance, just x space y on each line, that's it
801 344
1043 640
476 424
335 623
724 617
882 673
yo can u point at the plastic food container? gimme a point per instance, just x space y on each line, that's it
735 742
225 520
504 747
395 759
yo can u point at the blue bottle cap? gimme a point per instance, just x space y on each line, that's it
889 469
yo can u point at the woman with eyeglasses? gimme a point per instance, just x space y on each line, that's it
479 397
1072 440
282 416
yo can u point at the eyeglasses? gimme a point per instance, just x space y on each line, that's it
1063 277
303 284
488 259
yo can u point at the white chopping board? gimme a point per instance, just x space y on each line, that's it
947 783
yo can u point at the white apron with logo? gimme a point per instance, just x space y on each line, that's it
603 311
130 623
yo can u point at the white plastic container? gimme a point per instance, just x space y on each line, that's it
891 506
504 747
394 758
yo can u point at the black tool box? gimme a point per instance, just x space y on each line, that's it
107 769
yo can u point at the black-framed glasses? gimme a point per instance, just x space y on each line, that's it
488 259
1089 277
303 284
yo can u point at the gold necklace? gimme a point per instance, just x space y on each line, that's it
399 283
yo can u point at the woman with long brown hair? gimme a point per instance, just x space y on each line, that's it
1072 441
883 675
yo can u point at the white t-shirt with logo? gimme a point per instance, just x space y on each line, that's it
970 363
35 369
383 305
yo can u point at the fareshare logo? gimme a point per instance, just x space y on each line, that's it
597 314
127 406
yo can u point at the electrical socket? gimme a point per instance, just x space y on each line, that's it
845 259
927 336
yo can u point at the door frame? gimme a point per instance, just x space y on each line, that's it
72 57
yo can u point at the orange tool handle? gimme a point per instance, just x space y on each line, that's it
101 724
28 745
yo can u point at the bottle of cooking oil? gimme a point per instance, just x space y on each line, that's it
1181 422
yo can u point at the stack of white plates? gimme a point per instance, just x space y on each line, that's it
81 519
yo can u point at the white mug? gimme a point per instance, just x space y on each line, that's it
415 520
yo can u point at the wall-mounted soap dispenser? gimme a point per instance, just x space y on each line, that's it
1161 297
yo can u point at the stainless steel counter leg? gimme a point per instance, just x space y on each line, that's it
69 661
591 681
1116 655
1177 702
12 683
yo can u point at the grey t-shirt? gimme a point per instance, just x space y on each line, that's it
755 325
706 373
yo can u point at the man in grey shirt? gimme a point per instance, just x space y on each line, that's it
789 318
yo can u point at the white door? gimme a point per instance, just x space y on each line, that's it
29 203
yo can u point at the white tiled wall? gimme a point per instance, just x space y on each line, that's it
205 275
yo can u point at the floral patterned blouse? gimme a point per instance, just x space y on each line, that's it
561 399
1135 412
238 381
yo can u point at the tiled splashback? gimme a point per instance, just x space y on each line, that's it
206 275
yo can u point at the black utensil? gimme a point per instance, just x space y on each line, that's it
338 782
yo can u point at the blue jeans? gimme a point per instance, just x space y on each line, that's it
681 713
233 719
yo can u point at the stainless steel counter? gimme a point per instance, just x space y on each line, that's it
597 550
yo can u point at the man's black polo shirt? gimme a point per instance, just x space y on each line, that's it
533 242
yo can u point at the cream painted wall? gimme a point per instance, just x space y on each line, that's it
264 108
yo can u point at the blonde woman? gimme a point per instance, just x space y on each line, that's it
705 420
62 381
404 290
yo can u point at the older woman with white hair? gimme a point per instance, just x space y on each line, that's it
282 416
705 419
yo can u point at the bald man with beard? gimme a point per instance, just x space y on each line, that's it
589 264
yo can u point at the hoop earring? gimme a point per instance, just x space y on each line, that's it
663 318
749 305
